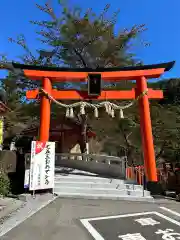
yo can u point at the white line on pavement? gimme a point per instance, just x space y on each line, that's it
170 211
119 216
91 230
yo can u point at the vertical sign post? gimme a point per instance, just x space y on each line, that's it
42 165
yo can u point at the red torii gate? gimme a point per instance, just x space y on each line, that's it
138 73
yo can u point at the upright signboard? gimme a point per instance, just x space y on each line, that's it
42 165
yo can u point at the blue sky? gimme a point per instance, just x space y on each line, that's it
160 16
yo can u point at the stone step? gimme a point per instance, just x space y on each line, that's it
94 187
59 183
118 192
105 196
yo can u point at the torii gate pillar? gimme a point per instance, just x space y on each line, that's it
45 112
146 133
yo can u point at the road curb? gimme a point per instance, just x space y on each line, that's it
106 197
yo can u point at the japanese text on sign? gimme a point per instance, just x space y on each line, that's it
167 234
47 164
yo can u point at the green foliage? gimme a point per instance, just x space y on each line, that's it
16 119
83 39
171 91
4 183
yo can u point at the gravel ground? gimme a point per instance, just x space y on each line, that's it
9 206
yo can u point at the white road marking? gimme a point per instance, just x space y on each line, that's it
119 216
170 211
97 236
94 233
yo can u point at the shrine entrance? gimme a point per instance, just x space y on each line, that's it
94 76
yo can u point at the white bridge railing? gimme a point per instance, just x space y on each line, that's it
90 157
121 162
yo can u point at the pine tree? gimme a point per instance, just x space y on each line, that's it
85 39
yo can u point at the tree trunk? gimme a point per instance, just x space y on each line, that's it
83 138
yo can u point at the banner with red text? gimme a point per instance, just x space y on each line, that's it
42 165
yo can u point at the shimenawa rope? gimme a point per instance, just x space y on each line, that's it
109 107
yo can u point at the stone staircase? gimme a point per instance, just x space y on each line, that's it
79 184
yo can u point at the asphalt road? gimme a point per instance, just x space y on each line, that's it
80 219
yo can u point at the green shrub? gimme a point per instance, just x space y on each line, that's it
4 183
